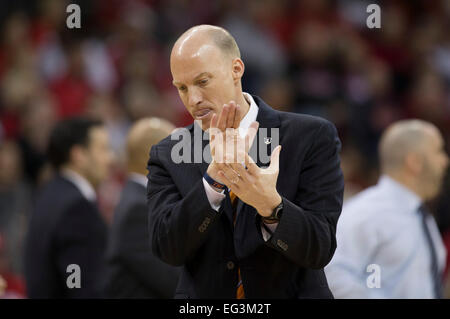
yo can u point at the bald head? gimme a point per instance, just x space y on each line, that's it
402 138
207 70
412 152
142 136
196 37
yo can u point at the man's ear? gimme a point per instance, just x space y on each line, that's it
238 68
414 162
77 155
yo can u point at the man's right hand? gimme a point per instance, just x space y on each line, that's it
229 117
224 132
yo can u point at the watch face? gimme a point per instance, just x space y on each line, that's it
278 211
278 214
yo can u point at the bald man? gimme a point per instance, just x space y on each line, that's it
243 226
388 243
133 271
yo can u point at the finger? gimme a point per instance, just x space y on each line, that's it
212 128
213 121
231 114
229 145
252 168
237 116
230 172
214 133
219 155
222 122
239 169
229 179
225 179
251 133
275 159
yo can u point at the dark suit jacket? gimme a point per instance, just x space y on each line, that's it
65 228
186 231
133 271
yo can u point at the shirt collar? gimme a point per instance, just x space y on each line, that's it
138 178
402 194
251 115
80 183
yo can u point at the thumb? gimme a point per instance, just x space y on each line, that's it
275 158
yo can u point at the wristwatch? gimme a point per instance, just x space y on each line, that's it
276 214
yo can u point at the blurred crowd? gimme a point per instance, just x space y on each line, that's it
308 56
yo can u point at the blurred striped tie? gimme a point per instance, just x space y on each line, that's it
240 287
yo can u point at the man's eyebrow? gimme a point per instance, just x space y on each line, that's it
198 76
201 74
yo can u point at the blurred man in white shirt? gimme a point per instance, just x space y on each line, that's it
388 245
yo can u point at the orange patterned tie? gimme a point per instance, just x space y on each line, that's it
240 287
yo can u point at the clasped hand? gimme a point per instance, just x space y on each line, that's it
231 165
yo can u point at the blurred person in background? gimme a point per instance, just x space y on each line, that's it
66 227
133 271
15 203
107 109
34 137
389 225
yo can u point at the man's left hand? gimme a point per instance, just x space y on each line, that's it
253 185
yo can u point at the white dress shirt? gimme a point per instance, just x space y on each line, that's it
80 183
382 226
215 198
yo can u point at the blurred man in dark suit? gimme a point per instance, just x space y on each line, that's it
133 271
67 235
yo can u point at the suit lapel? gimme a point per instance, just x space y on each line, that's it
267 138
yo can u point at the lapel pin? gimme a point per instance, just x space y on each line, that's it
267 140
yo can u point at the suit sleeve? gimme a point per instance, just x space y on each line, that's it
306 233
136 255
82 240
178 225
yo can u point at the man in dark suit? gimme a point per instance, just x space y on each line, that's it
133 271
240 230
66 239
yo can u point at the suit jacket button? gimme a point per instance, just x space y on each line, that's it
230 265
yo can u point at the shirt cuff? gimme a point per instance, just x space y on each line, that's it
267 230
214 197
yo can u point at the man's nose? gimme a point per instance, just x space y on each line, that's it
195 97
